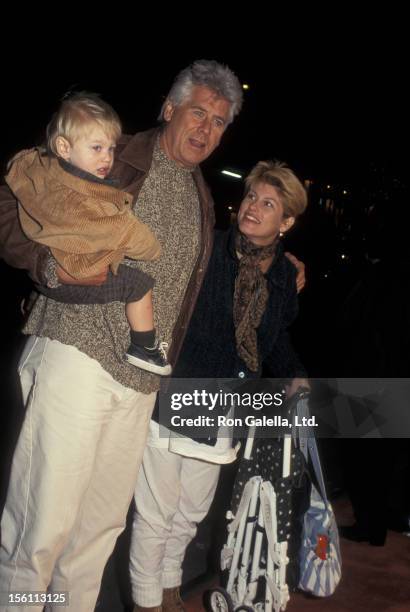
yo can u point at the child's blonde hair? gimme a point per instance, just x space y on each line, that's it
76 113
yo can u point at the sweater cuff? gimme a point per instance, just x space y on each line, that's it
50 272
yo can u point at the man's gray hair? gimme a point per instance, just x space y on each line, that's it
208 73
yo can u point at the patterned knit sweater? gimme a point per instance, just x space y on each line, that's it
168 203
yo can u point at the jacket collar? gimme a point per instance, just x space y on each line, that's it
139 149
82 174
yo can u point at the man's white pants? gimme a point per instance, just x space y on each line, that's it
173 494
73 475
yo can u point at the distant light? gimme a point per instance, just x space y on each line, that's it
326 275
328 186
233 174
245 86
229 207
343 256
344 192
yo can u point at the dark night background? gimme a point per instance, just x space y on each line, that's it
331 102
333 105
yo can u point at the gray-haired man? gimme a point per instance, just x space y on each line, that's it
88 411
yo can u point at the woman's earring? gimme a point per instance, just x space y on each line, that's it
280 234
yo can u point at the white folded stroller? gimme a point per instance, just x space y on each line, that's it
255 558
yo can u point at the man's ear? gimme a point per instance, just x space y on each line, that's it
63 147
287 224
168 110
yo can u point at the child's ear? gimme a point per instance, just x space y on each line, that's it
63 147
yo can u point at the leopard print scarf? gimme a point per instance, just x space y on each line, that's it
250 297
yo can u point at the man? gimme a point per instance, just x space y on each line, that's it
226 339
88 411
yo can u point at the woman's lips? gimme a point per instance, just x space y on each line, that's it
251 218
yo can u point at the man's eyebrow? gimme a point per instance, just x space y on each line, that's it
201 108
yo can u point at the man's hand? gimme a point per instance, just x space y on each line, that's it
66 279
300 267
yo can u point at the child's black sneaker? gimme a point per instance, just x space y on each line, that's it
151 359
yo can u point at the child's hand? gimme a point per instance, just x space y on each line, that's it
66 279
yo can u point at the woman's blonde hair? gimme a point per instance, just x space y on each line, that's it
79 112
276 173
